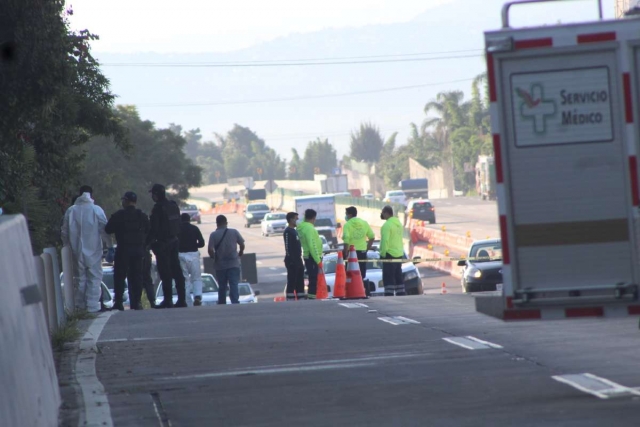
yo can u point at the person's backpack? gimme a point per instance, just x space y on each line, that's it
172 218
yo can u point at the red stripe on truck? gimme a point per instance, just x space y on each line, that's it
522 314
597 37
628 104
506 260
491 75
633 171
534 43
584 312
497 155
634 310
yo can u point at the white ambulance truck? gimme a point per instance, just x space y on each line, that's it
565 109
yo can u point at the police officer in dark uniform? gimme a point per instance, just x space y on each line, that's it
163 241
131 227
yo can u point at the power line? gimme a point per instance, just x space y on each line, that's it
304 98
334 58
280 64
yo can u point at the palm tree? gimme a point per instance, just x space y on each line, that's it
452 114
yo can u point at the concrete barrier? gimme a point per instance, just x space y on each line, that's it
50 295
60 302
68 278
29 394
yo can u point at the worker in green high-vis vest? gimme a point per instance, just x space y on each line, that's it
357 232
391 248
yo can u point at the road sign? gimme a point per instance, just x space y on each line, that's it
270 186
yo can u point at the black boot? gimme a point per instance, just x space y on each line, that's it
165 304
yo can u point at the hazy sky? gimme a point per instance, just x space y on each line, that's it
225 25
190 26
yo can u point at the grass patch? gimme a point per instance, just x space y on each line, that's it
67 333
80 315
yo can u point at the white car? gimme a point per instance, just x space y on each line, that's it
210 292
368 196
325 244
412 276
106 296
274 223
396 196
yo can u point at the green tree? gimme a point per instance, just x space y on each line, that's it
54 99
245 154
319 156
366 143
156 156
452 114
295 165
194 143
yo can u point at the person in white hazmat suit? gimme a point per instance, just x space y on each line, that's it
83 231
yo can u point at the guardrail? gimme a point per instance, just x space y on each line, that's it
32 305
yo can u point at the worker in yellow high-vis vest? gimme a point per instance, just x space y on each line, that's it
357 232
391 248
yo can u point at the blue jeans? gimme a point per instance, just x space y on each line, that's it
228 279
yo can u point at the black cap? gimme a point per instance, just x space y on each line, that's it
130 196
157 189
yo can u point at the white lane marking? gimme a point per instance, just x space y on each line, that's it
596 386
272 268
283 274
353 305
96 410
399 320
390 320
478 340
300 367
407 320
259 262
453 341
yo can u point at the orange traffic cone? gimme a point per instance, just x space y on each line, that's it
355 286
340 285
443 289
321 289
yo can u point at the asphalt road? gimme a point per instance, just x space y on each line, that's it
462 214
320 363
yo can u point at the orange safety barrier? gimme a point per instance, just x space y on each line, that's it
340 284
321 289
355 286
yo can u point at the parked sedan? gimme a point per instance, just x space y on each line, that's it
274 223
411 274
482 270
210 292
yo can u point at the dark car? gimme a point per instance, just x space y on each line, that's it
254 214
483 268
422 210
193 212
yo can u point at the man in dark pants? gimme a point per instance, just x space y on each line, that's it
311 249
293 260
357 233
223 249
391 248
131 227
163 241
